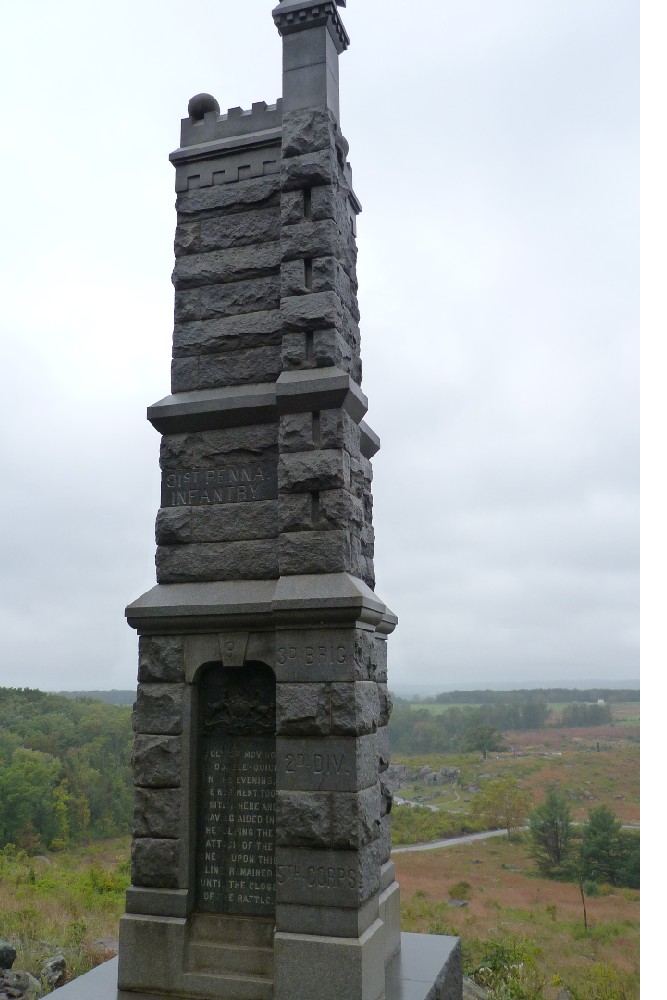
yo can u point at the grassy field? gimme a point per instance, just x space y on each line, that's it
67 902
567 758
507 902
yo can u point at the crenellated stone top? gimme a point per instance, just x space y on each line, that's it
297 15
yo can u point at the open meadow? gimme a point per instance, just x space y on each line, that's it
506 901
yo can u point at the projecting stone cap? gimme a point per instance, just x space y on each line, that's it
260 402
236 604
370 442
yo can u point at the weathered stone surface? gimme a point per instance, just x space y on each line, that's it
314 552
213 301
293 352
172 525
329 275
236 264
356 817
302 710
19 985
295 512
291 208
331 348
210 336
157 812
161 658
303 819
338 430
293 278
296 432
309 169
155 863
383 751
235 522
320 240
207 448
248 560
308 130
323 654
314 471
339 509
212 371
331 201
386 704
232 230
259 191
158 709
156 761
355 708
309 312
259 364
381 660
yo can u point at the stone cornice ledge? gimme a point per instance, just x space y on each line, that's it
260 402
241 604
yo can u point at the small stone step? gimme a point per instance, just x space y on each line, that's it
208 956
219 928
230 987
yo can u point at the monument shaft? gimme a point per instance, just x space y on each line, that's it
261 838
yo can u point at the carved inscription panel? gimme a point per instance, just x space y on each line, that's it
221 484
237 792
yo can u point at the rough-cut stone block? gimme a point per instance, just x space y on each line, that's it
292 278
249 560
314 552
172 526
234 522
329 275
302 710
212 301
310 312
339 509
313 471
157 812
296 432
355 708
295 512
238 229
331 348
161 658
356 818
236 264
339 430
315 240
291 208
383 748
210 336
386 704
156 761
319 167
257 192
184 374
158 709
329 765
303 819
206 449
260 364
308 130
332 201
293 353
155 863
380 660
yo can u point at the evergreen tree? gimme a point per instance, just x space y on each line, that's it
550 832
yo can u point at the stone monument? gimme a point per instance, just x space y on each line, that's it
261 848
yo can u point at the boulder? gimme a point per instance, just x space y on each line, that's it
7 954
54 972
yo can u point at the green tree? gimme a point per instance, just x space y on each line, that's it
483 738
550 832
601 854
502 803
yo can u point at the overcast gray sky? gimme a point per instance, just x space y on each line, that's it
494 145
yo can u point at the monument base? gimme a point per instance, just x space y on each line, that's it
427 967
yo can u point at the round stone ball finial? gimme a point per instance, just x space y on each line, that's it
201 104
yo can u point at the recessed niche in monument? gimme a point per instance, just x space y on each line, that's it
237 790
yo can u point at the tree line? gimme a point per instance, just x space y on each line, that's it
64 769
552 695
